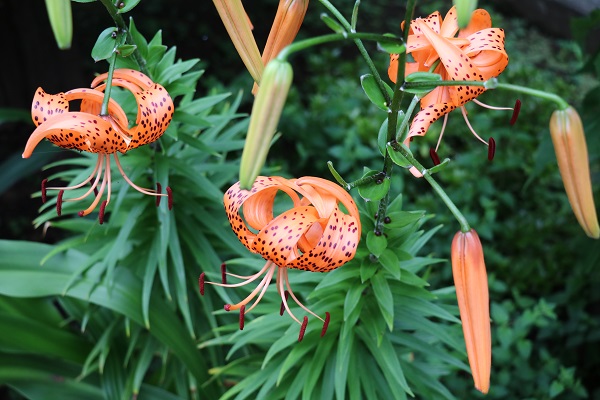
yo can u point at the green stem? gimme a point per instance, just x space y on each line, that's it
407 116
111 69
562 104
464 224
351 27
332 37
113 11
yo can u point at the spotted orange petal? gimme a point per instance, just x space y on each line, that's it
130 75
46 106
480 19
76 130
427 116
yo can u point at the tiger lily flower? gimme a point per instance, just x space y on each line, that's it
476 54
470 280
88 130
570 147
313 235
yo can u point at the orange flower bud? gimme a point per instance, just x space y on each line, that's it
568 138
470 279
239 28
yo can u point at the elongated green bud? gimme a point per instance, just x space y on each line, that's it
266 111
59 14
568 138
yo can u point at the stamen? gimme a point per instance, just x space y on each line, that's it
516 111
482 104
97 199
285 275
434 157
464 113
441 132
89 178
44 182
158 191
223 273
491 148
99 170
59 202
303 328
282 308
170 197
325 324
242 312
201 283
149 192
101 213
227 307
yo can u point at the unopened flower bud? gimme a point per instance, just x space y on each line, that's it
470 279
61 21
266 111
238 27
570 147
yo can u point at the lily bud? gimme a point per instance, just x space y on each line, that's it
568 138
464 9
266 111
470 279
289 17
238 27
61 20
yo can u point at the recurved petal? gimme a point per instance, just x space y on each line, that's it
487 52
76 130
480 19
427 116
470 279
91 102
155 112
336 246
450 24
130 75
46 106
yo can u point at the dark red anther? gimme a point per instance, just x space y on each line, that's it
434 157
303 329
516 110
170 197
242 312
44 182
227 307
95 190
101 213
201 283
325 324
491 148
223 273
59 202
282 309
158 191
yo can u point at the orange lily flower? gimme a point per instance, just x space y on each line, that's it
476 53
88 130
470 279
313 235
568 138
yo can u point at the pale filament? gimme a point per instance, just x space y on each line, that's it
149 192
287 282
98 196
89 178
249 279
281 290
262 285
267 278
464 113
441 132
107 173
482 104
95 184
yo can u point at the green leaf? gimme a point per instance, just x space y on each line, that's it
376 243
371 88
127 5
421 77
374 191
397 157
353 297
391 47
384 297
138 39
105 45
390 262
125 50
332 24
